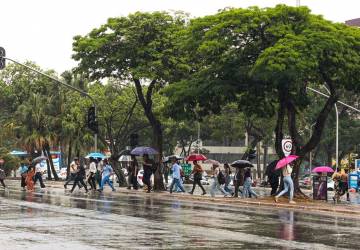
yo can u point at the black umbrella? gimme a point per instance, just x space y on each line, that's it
241 164
270 169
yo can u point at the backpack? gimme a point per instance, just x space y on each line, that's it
221 178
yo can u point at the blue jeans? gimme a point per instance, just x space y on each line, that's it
104 180
288 186
227 185
247 188
178 183
216 186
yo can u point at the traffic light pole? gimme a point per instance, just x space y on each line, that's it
62 83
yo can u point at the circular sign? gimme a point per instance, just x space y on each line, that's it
287 146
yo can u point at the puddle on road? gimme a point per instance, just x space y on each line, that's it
146 222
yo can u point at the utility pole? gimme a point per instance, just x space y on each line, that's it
297 3
2 60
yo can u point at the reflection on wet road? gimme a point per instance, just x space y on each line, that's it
56 220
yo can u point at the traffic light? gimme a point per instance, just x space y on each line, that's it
134 140
2 59
91 120
252 154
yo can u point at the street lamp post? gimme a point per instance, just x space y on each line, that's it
337 119
62 83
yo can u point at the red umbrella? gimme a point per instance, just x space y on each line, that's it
196 157
285 161
323 169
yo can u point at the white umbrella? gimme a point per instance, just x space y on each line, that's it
125 158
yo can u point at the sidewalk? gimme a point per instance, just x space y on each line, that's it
310 206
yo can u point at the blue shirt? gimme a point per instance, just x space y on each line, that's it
107 170
23 169
176 171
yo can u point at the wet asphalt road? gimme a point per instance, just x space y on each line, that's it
53 219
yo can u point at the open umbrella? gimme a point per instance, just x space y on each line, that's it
143 150
323 169
196 157
125 158
285 161
95 155
241 164
211 161
39 159
168 158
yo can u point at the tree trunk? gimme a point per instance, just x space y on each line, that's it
47 149
258 160
156 127
118 171
47 165
69 160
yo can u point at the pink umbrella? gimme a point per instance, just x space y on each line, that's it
285 161
323 169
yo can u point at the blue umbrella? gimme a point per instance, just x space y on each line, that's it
96 155
143 150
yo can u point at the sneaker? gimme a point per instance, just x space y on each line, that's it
114 190
65 186
203 193
292 202
191 193
276 199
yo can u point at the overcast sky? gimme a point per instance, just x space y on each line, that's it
42 30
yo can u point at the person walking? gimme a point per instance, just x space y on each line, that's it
133 170
99 167
2 177
29 180
92 174
341 185
227 173
107 171
38 175
23 171
288 184
176 175
147 166
79 178
238 181
248 191
197 172
273 177
216 184
73 170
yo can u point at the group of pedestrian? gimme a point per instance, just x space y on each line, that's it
221 180
96 171
31 172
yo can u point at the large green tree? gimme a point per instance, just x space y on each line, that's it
264 59
141 49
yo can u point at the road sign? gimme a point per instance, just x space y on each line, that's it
357 163
286 146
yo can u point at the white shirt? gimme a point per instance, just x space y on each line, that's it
37 168
92 167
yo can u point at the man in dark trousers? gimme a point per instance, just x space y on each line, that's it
79 178
273 177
